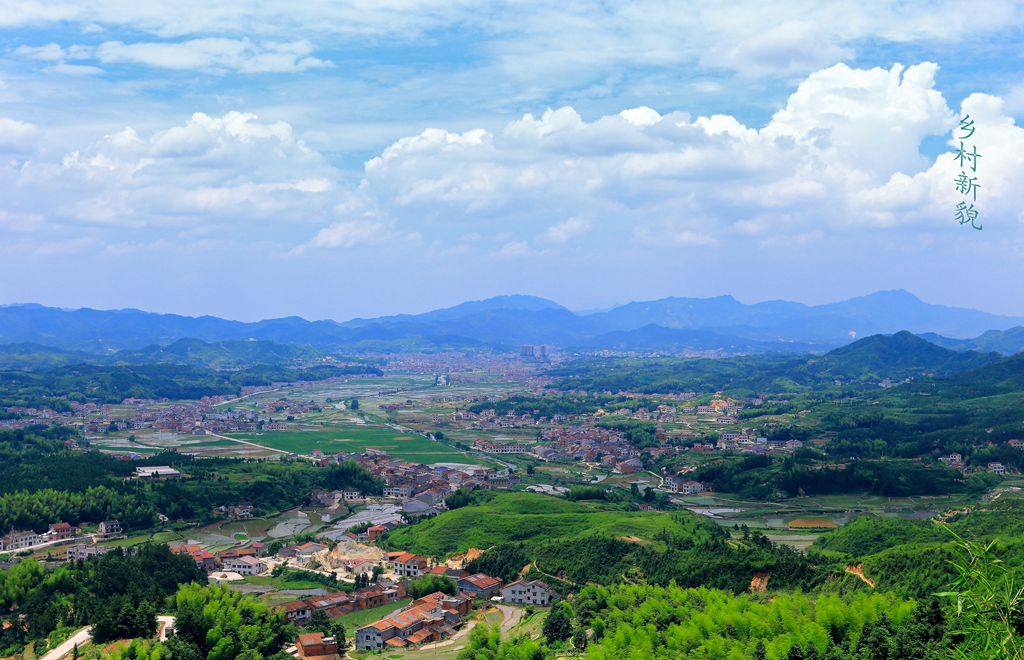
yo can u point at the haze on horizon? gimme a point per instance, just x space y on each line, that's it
340 160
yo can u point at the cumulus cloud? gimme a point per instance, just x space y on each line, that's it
16 135
227 169
841 155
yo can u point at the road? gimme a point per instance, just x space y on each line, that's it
164 625
246 396
80 638
251 444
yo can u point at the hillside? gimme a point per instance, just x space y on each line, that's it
533 518
1008 341
896 356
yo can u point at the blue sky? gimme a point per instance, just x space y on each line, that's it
352 159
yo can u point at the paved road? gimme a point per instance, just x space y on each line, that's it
251 444
79 638
164 624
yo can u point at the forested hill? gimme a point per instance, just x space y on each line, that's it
867 362
896 356
83 383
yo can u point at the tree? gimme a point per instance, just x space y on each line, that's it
220 623
430 583
558 624
579 639
989 602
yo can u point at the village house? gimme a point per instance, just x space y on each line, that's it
305 551
19 540
297 612
528 592
314 646
61 531
81 551
401 491
689 487
407 564
425 620
109 529
479 586
351 495
246 565
997 468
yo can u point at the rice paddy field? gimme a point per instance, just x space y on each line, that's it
400 444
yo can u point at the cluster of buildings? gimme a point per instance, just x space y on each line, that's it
384 591
58 533
243 561
437 615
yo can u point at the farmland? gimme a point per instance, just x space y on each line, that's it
356 438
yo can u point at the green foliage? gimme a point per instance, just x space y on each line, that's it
112 384
558 623
533 518
989 602
118 594
219 623
502 561
485 644
430 583
639 433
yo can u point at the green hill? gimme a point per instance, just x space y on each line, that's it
896 356
532 518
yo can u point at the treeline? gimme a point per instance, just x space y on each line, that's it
706 559
762 478
41 483
55 388
630 621
563 404
640 433
118 594
36 510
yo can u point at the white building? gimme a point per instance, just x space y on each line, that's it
528 592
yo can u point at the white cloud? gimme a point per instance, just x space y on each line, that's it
232 169
211 54
842 155
517 250
566 231
214 54
16 135
346 234
534 40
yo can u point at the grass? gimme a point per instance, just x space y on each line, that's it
281 583
358 438
360 618
531 517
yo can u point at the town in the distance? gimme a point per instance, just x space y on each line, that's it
510 479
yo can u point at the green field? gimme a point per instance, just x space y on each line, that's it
360 618
358 438
531 517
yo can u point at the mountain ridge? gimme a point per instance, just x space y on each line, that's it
719 323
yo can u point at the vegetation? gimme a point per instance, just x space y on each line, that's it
44 483
118 594
56 388
533 519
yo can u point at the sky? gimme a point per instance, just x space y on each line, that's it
344 159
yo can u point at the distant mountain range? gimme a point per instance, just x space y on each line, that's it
719 325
